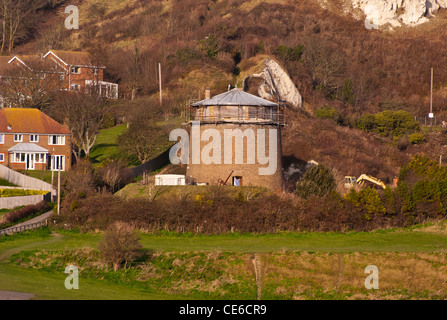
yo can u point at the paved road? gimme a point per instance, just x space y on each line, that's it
40 218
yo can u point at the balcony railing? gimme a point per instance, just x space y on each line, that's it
237 114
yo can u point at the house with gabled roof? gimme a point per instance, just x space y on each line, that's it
56 70
31 140
81 72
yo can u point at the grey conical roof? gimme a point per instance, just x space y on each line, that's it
235 97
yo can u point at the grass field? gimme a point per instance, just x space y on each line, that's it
42 175
105 146
425 247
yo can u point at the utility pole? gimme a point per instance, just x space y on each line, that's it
159 79
59 190
431 99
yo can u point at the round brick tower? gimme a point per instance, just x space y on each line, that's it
235 139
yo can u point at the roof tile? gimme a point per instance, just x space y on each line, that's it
29 120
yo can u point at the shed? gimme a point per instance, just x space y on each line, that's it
170 180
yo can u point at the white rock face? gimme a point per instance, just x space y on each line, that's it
397 12
277 84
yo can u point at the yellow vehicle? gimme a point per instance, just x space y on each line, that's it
352 182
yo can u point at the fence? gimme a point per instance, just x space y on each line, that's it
31 226
151 165
425 121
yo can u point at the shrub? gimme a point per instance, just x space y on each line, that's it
416 138
327 112
288 53
27 211
318 180
389 123
120 244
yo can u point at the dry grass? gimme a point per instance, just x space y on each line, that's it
319 275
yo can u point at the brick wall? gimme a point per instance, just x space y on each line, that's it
211 173
63 150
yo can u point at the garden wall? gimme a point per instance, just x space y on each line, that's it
13 202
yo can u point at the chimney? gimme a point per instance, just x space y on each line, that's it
207 93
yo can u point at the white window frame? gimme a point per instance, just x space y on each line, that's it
60 140
19 155
61 160
33 135
2 157
40 158
18 135
2 138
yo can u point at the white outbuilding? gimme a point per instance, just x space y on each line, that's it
170 180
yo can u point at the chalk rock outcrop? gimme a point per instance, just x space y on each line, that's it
397 12
276 84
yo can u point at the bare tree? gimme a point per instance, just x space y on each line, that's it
16 16
84 114
112 173
29 86
325 64
141 139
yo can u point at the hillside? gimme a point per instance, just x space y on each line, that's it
323 45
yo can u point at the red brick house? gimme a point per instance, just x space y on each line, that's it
56 70
30 140
80 71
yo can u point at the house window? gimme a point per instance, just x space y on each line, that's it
56 140
95 71
2 138
58 163
40 157
34 138
75 70
75 87
62 77
2 157
18 138
18 157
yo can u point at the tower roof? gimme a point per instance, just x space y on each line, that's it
235 97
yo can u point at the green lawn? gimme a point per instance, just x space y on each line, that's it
105 146
45 285
42 175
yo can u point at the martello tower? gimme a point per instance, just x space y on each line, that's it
243 147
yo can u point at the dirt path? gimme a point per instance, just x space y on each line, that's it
7 253
11 295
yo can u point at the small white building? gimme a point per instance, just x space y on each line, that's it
170 180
